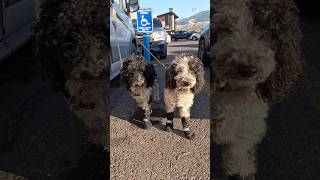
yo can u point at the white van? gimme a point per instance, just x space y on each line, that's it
121 33
17 19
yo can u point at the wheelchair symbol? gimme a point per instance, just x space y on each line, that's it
144 22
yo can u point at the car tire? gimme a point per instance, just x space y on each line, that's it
202 53
194 38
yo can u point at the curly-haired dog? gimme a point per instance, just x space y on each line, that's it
71 39
141 81
257 61
184 79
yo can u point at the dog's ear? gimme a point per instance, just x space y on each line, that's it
287 44
196 68
283 79
170 74
125 73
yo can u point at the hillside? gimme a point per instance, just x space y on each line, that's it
195 22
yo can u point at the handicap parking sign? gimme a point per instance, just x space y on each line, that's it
144 21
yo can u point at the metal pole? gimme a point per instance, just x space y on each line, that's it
146 41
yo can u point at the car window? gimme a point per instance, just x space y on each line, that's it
11 2
157 23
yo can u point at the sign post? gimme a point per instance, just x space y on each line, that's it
145 25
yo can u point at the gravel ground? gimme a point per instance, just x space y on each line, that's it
156 154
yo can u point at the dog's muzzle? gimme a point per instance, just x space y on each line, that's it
246 71
186 84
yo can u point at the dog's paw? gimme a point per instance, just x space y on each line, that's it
169 127
147 123
190 135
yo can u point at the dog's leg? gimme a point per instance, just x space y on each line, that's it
185 119
239 161
147 115
155 91
169 123
170 106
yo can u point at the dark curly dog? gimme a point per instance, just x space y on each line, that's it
257 62
141 81
72 41
184 79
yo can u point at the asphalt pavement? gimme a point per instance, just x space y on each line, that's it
141 154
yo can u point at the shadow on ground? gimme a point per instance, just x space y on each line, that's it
39 137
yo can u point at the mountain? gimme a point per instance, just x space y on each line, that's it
194 22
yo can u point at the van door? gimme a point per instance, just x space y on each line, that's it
18 21
119 37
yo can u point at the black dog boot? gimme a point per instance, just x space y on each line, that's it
147 123
187 132
169 123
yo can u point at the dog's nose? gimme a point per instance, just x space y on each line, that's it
246 71
186 83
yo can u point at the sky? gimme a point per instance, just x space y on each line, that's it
183 8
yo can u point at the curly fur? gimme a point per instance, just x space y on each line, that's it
71 40
257 62
184 78
141 81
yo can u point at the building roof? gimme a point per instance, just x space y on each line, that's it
168 13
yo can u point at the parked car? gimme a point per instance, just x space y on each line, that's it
180 35
158 39
204 45
16 23
123 37
195 36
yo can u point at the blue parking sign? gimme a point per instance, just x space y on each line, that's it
144 21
